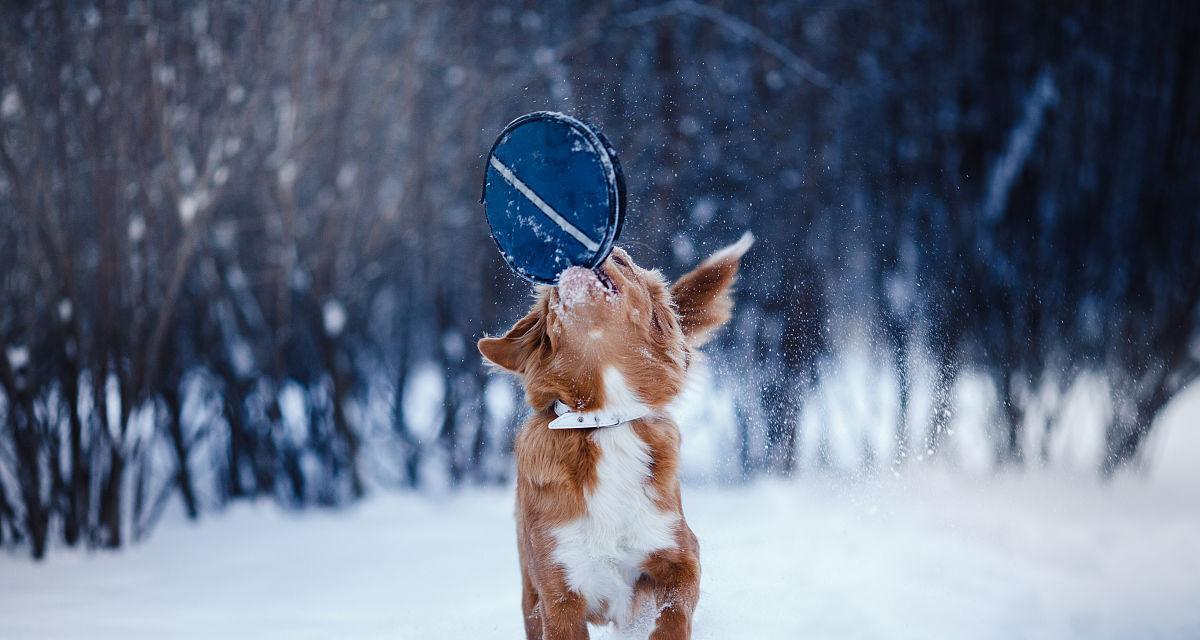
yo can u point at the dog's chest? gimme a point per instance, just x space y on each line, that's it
602 551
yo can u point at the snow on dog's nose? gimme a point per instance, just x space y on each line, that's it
578 285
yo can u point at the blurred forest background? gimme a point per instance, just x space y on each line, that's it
241 250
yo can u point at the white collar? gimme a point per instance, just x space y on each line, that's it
568 419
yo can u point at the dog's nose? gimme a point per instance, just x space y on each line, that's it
577 285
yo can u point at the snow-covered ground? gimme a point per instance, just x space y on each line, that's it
928 554
1026 555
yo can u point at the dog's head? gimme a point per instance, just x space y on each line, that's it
618 329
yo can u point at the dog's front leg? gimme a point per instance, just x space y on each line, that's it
564 615
676 579
530 607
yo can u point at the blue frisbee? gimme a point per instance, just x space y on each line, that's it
553 194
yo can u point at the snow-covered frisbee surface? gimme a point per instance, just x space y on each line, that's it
554 195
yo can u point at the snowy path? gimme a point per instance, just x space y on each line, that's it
1025 556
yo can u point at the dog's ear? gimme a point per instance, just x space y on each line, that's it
511 350
703 296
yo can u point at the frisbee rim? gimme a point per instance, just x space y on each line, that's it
614 179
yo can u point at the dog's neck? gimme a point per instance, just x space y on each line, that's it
621 406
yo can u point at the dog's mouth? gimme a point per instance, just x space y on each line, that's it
606 281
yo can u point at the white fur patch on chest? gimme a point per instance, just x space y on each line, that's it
602 551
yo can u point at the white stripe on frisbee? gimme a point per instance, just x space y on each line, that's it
541 204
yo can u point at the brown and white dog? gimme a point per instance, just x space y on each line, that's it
600 528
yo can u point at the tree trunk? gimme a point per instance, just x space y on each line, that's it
745 460
5 514
943 403
183 474
900 348
349 439
23 425
238 444
1010 450
1123 442
77 493
782 414
451 373
37 517
449 431
478 468
110 499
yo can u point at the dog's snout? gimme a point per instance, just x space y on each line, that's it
577 285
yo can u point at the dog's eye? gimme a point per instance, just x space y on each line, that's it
619 260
